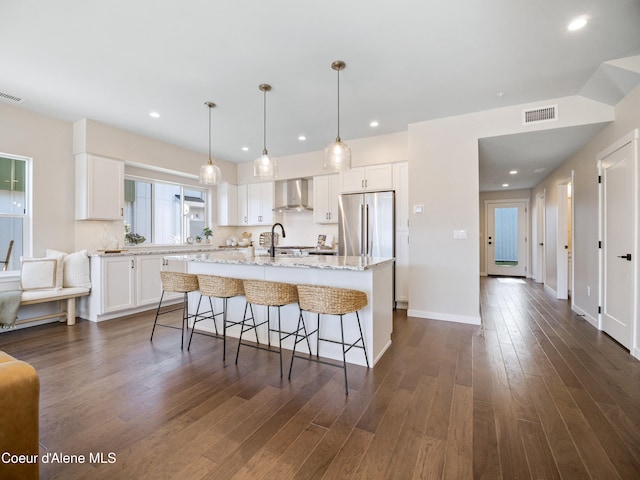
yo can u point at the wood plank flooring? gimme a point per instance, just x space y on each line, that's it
536 392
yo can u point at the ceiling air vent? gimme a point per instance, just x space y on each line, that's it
6 98
540 114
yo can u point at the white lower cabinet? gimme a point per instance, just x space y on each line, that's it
126 284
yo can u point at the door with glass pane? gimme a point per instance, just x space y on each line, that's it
506 238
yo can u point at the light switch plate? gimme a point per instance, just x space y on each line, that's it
418 208
459 234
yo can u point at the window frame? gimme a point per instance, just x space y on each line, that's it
183 187
27 215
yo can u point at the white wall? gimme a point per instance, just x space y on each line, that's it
364 151
585 198
48 141
443 165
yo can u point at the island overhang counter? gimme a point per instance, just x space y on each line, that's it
374 276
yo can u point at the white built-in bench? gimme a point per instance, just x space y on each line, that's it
57 277
69 294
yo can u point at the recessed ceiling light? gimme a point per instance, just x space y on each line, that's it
302 138
505 184
513 172
577 24
374 124
245 149
154 115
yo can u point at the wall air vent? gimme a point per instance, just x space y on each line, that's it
12 99
540 114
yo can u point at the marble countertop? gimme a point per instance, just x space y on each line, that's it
331 262
153 251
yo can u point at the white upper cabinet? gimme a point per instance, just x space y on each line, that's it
370 178
99 188
227 204
255 204
243 206
326 189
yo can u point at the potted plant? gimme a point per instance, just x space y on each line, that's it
207 233
198 239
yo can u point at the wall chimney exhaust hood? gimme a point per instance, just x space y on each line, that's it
297 194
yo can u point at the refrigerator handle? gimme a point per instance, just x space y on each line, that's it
366 213
363 222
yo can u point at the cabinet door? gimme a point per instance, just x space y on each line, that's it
378 177
260 199
227 204
254 199
148 284
99 188
325 198
401 186
118 283
266 196
243 205
352 180
402 267
321 199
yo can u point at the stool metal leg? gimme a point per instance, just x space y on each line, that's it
280 340
364 347
157 313
295 343
344 358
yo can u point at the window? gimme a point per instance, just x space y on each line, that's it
14 209
163 213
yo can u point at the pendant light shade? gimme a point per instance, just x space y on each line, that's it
265 167
210 173
337 156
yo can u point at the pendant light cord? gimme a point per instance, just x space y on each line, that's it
338 137
210 161
264 125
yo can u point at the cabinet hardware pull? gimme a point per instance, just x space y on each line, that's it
626 257
121 211
131 263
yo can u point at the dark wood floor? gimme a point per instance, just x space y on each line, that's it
535 393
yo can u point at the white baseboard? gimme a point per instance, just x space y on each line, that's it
635 353
447 317
550 290
593 321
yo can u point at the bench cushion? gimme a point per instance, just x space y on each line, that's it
76 268
38 296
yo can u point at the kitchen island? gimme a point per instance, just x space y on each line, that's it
374 276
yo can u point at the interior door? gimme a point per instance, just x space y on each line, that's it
618 282
540 233
506 238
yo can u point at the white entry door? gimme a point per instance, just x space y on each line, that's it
617 223
506 238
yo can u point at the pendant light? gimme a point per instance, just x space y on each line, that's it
337 156
265 167
210 174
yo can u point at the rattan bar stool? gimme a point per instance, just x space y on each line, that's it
177 282
213 286
269 294
329 301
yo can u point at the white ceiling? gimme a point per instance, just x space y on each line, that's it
408 60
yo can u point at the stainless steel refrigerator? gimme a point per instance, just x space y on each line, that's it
366 224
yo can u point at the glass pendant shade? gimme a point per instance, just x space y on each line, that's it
265 167
337 157
210 174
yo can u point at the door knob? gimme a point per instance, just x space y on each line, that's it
566 247
541 244
627 256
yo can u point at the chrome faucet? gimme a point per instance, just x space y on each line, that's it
272 250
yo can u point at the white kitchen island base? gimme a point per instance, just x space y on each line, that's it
372 276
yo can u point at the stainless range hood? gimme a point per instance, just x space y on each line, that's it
297 194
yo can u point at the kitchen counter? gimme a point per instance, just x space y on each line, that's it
374 276
331 262
164 250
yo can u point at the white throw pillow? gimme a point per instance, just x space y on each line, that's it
41 273
76 268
